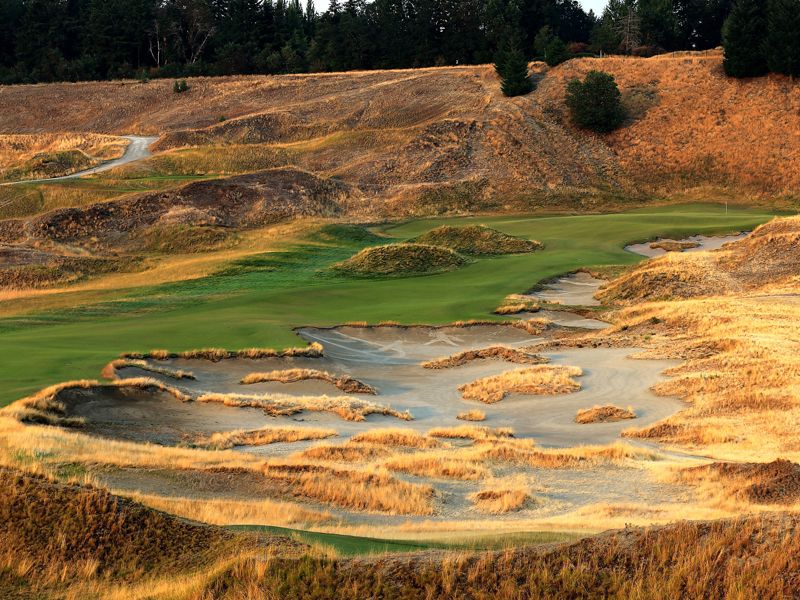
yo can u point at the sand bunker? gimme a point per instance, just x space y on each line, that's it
575 289
694 243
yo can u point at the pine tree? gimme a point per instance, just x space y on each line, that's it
595 103
743 37
512 67
783 37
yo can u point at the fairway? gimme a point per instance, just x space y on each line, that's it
258 301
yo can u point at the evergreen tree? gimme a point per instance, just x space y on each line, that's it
743 38
595 103
550 46
783 37
513 72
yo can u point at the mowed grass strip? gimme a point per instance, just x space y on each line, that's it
257 302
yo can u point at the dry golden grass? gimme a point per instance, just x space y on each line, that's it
539 380
604 414
393 437
524 452
313 350
232 512
517 303
375 491
492 352
347 407
110 370
673 246
499 496
472 415
344 453
437 465
346 383
17 149
471 432
260 437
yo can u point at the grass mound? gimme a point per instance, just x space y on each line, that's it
400 260
477 240
345 233
80 531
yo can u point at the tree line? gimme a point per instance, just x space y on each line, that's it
52 40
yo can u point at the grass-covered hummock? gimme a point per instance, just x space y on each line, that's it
477 240
400 260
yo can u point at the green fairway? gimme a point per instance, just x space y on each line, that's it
257 301
350 545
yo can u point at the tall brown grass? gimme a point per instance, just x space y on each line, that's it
110 370
313 350
394 437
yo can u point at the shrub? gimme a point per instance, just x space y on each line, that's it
595 103
180 86
783 37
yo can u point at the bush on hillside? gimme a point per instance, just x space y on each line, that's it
477 240
399 260
180 86
595 103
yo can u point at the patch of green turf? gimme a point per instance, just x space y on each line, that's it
257 301
350 545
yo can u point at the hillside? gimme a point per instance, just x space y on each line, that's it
445 138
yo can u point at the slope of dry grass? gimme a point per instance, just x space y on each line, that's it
539 380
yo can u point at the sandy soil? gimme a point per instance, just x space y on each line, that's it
575 289
706 243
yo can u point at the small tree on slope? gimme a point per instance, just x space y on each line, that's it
595 103
743 37
782 48
512 68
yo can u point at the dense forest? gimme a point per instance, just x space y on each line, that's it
51 40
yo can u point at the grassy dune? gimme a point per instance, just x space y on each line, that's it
255 301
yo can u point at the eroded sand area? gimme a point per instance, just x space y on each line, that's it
526 461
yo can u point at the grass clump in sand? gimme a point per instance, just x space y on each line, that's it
499 496
347 407
673 246
539 380
517 303
395 437
110 370
400 260
225 440
477 240
604 414
471 415
345 383
493 352
471 432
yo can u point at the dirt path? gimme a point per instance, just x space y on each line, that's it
138 149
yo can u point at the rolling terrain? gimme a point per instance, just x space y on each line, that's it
341 317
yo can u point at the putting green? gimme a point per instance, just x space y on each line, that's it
257 301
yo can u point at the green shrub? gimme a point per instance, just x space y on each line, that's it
595 103
180 86
743 38
512 67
